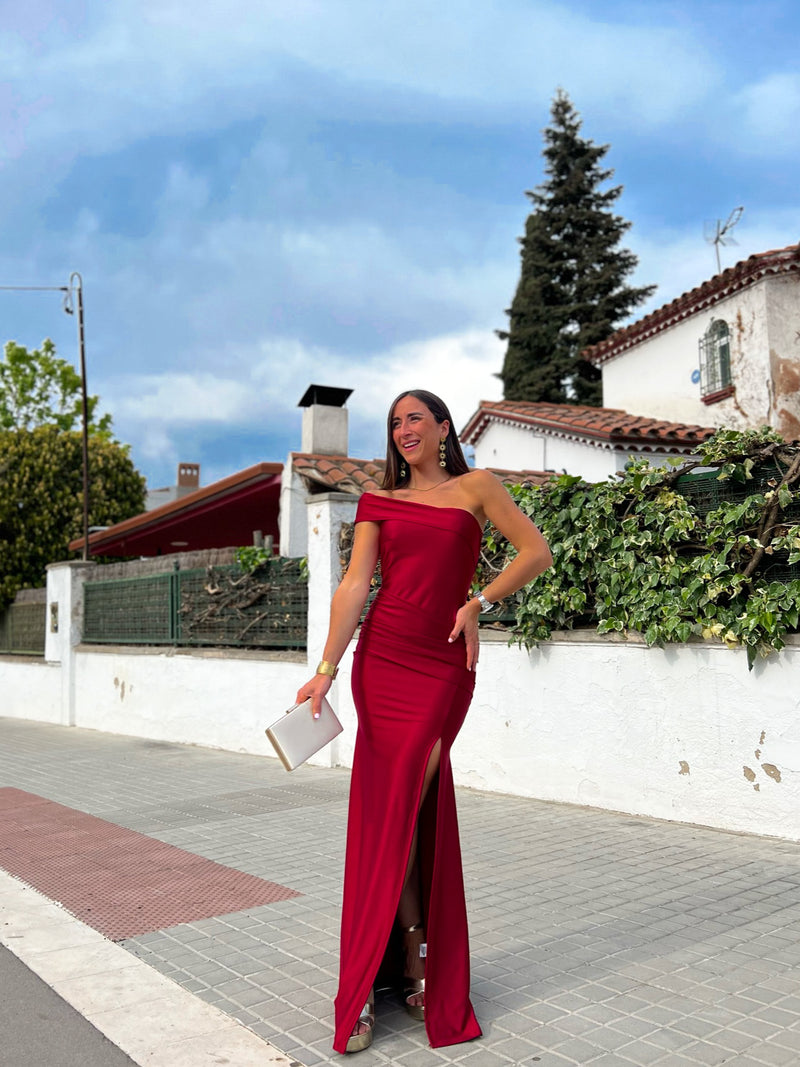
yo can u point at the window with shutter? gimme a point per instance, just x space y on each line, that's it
715 362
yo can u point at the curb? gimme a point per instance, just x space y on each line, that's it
149 1017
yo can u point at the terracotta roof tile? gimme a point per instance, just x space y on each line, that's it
597 424
746 272
508 477
340 473
345 474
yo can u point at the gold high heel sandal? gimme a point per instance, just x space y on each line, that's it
358 1042
412 987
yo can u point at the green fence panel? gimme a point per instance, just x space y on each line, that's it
22 629
221 605
124 611
705 491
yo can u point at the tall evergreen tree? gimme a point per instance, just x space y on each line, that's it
572 290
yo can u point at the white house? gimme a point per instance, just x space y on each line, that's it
724 354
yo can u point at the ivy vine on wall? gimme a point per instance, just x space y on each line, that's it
714 555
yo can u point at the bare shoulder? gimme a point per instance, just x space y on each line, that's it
481 484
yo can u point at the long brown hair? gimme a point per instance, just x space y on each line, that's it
453 456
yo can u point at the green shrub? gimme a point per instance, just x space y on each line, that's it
635 553
41 498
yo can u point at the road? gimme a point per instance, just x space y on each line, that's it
39 1029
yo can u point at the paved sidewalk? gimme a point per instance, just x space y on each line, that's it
596 938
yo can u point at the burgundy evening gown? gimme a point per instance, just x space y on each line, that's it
411 688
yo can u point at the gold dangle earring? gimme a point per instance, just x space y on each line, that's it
403 470
442 453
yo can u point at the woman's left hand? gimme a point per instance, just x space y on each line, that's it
467 624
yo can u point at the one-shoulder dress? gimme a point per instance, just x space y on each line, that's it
411 688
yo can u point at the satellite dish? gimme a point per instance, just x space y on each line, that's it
719 233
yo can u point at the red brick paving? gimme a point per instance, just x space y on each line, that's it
120 882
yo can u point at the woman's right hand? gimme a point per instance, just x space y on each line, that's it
314 690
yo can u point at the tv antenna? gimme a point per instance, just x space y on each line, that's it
719 233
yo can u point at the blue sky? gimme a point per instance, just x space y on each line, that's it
261 194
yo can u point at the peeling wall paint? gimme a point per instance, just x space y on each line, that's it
784 355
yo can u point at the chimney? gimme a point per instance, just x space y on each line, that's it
324 420
188 478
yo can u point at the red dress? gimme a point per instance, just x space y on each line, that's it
411 688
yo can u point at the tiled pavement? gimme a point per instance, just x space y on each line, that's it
596 938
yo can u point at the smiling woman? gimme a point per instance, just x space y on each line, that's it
403 913
419 425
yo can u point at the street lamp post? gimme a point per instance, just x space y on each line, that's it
75 285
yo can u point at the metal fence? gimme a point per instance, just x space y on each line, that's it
219 605
22 629
705 491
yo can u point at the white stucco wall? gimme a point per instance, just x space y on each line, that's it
30 689
512 447
684 733
654 378
522 448
213 698
292 512
516 447
325 514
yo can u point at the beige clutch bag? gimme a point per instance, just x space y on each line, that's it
296 735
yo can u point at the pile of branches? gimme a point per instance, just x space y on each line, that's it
241 606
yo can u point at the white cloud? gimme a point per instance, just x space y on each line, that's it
175 399
770 114
135 69
156 444
154 408
459 368
199 285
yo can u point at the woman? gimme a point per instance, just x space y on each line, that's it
413 676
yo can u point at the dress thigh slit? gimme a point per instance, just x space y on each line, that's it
397 734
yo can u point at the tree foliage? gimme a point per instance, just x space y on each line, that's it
38 388
572 291
717 560
41 498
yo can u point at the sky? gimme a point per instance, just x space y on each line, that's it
262 194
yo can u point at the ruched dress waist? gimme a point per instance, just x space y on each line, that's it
403 633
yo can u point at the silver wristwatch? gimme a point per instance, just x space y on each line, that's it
486 605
